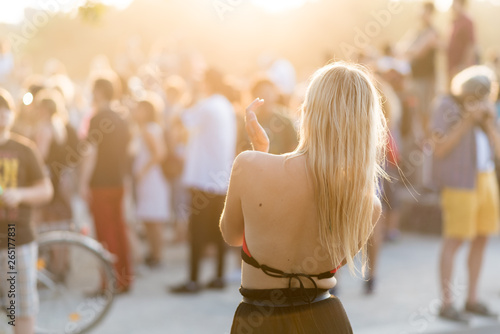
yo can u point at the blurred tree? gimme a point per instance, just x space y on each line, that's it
92 11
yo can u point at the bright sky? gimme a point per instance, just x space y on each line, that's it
274 6
13 11
443 5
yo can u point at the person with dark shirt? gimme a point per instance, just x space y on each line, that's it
103 170
461 51
278 126
53 135
23 184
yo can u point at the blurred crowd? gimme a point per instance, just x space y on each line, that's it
159 131
163 128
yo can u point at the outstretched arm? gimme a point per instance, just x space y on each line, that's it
38 193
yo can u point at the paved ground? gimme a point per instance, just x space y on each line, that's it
405 301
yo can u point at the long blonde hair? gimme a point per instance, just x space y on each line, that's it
343 135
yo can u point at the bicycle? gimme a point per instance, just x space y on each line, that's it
75 296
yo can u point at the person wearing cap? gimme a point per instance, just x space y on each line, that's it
466 142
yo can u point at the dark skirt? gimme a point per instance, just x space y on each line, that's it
325 316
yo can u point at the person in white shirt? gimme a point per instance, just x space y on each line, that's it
210 152
282 73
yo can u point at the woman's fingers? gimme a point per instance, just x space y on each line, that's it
255 131
255 104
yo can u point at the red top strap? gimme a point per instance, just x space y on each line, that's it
392 150
245 247
333 271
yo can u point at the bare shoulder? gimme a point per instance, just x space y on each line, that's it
252 159
250 156
254 164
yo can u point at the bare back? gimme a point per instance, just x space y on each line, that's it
281 229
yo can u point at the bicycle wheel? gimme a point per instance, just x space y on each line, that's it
76 282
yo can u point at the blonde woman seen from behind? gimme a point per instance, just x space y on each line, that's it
302 215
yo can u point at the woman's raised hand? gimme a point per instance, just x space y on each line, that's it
255 131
